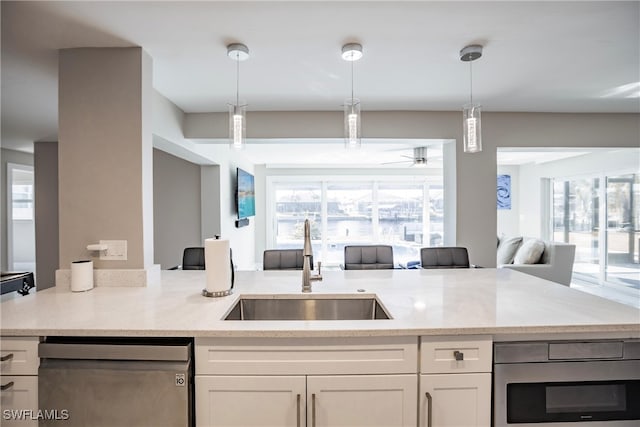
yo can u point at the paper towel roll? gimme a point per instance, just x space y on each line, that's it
217 261
81 275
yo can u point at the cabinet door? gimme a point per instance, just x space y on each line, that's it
362 400
456 400
246 401
19 401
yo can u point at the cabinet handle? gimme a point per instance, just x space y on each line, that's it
6 386
458 355
429 406
313 410
7 357
298 411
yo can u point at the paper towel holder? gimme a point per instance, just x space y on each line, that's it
227 292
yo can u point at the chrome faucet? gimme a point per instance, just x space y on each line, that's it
307 253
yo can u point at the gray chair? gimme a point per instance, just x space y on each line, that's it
447 257
283 259
371 257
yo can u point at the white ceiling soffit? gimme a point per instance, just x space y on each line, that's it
375 153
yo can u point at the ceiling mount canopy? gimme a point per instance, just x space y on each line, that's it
471 52
472 129
238 51
352 51
237 112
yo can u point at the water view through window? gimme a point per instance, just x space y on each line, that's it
359 212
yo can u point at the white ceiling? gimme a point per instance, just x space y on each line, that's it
539 56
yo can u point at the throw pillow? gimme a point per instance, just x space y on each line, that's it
530 252
507 249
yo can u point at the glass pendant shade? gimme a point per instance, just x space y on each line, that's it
472 129
352 133
237 126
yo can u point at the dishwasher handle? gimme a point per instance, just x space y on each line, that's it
83 351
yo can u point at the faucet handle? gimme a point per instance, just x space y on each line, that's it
319 268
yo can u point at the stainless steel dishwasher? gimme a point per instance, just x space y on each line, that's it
113 382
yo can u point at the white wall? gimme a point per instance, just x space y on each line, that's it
219 183
509 219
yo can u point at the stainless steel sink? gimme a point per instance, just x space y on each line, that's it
308 308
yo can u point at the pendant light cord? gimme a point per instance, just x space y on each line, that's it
237 79
352 61
470 82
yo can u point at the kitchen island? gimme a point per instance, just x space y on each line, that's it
421 302
431 362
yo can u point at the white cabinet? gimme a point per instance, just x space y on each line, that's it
313 401
248 401
19 381
455 381
362 400
456 400
306 382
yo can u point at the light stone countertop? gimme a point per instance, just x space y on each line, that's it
498 302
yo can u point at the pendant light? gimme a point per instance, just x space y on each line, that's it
237 113
472 135
351 52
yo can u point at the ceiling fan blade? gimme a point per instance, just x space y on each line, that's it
402 161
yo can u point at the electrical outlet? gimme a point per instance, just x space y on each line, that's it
116 250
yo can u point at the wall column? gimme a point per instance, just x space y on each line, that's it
105 161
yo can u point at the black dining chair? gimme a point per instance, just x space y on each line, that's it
193 258
368 257
446 257
284 259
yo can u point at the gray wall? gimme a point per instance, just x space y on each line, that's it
176 208
105 154
8 156
46 213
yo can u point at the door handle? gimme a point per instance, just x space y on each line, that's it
298 411
458 355
313 410
429 407
7 386
6 357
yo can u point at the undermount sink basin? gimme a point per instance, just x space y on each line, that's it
308 308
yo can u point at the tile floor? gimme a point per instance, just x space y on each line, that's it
626 295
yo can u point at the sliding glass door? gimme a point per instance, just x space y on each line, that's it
601 216
622 231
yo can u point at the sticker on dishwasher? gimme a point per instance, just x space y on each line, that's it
181 380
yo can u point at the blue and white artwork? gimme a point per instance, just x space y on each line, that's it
504 192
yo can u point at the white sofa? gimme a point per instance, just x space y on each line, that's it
555 264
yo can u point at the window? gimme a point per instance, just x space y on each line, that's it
20 221
348 211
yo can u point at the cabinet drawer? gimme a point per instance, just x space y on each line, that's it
20 355
438 354
293 356
19 402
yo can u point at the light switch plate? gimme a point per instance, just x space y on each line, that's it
116 250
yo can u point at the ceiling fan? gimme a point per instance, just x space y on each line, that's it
419 158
